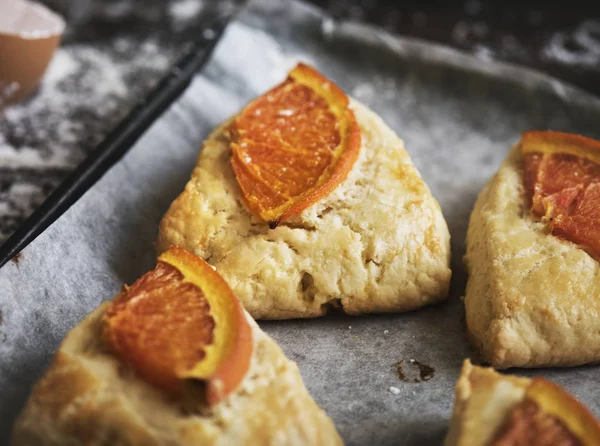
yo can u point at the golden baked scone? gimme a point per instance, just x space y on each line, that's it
532 296
93 396
491 409
376 243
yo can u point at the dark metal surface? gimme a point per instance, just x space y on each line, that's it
558 38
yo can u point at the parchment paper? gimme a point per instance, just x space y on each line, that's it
458 117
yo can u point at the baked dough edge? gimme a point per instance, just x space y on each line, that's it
531 299
377 243
89 398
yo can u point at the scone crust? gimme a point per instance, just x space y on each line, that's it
482 400
377 243
532 299
88 398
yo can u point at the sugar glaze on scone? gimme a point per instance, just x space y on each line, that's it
89 398
532 299
377 243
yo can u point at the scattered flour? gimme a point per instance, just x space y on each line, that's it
364 92
327 27
85 92
183 10
394 390
81 83
580 47
61 66
377 86
484 53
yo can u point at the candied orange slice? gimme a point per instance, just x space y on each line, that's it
293 145
555 401
562 185
180 322
549 141
549 415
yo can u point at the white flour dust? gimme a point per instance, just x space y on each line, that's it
580 47
80 81
183 10
84 93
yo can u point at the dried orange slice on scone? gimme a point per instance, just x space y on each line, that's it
562 182
293 145
181 321
533 247
173 359
306 201
491 409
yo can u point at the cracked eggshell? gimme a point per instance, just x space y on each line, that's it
29 35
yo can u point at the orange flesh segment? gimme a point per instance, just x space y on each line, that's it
293 145
528 425
555 401
562 185
161 325
548 415
181 322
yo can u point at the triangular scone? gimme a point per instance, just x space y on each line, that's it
491 409
377 243
532 298
89 397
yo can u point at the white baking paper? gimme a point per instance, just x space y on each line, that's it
458 116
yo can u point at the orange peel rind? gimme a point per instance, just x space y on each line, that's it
562 185
555 401
179 322
549 141
294 145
